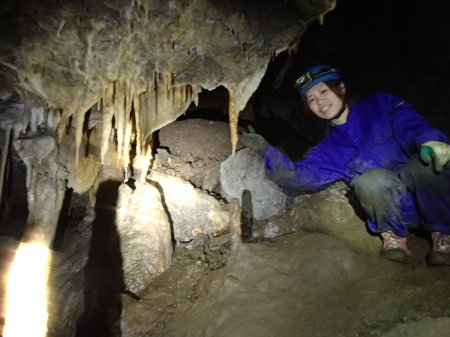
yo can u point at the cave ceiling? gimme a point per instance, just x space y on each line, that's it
60 58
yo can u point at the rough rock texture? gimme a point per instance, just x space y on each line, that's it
438 327
306 284
335 211
332 211
193 149
127 68
244 170
67 56
67 279
192 211
145 234
324 279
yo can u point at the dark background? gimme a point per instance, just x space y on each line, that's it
396 46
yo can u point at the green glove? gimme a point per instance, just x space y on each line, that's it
254 142
435 153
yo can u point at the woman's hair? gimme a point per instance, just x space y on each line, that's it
334 86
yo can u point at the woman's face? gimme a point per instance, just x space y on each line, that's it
323 101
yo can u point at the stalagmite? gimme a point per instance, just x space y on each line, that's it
234 212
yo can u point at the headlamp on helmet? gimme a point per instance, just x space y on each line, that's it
315 75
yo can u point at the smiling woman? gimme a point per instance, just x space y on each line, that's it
323 92
394 160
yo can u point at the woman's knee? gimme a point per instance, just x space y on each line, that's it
417 173
414 167
420 177
374 180
379 192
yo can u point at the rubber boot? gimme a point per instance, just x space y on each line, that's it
440 252
394 247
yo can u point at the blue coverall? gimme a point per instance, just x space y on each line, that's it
376 152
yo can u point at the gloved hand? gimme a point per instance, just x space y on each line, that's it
435 153
254 142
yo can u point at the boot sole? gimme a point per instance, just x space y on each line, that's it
395 255
438 259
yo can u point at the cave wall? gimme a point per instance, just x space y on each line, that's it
113 72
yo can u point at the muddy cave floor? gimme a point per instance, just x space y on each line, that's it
305 284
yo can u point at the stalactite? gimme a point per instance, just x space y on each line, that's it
108 113
109 96
37 117
173 94
233 117
188 94
161 80
132 94
148 104
137 119
128 125
154 79
179 95
64 123
168 78
156 92
53 118
169 95
26 114
120 118
183 94
126 148
195 99
79 123
129 94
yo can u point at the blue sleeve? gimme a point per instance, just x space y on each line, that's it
312 173
410 128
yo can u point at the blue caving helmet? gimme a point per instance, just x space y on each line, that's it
314 75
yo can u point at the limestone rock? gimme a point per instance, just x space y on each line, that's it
194 149
145 235
192 211
331 211
245 171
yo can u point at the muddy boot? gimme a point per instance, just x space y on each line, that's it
394 247
440 253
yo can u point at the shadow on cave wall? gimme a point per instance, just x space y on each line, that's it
104 280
